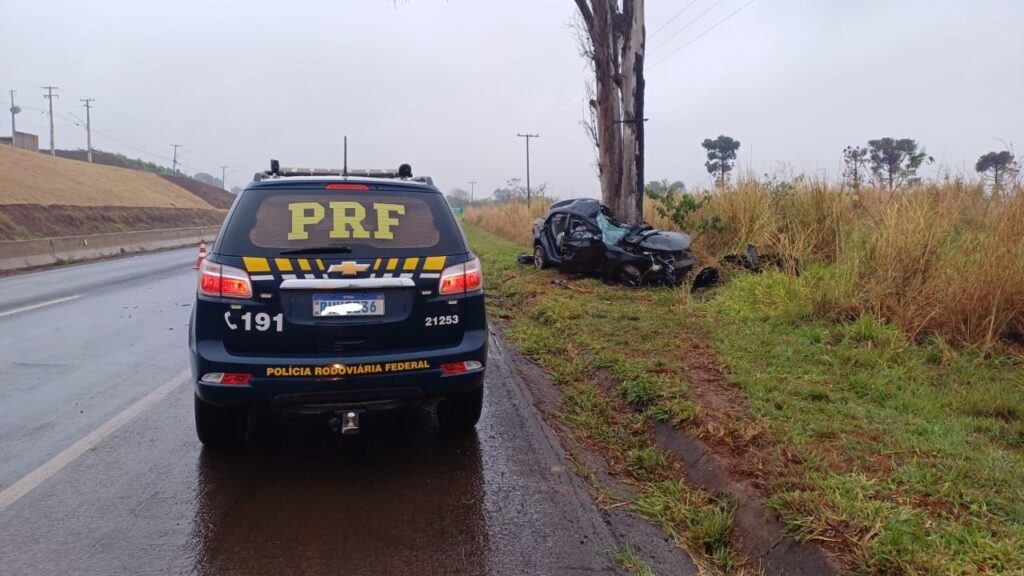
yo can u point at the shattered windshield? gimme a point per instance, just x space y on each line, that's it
611 233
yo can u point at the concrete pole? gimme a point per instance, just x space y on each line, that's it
88 128
50 96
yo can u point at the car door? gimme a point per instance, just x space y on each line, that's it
581 247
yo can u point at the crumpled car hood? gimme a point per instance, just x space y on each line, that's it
661 240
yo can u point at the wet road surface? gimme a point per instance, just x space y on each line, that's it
101 473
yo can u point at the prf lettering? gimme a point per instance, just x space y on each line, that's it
346 219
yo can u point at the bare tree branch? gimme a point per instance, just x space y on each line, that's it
587 14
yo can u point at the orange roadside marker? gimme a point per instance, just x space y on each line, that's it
202 254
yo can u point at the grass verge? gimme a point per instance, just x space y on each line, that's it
902 457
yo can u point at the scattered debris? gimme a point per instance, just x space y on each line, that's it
757 263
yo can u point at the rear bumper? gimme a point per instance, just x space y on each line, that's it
326 382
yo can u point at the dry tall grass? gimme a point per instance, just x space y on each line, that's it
941 258
513 220
33 178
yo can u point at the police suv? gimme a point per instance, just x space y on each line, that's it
335 292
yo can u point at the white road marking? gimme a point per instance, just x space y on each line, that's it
33 479
40 305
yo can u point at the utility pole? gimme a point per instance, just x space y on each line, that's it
14 111
223 177
88 128
472 188
528 136
174 166
50 96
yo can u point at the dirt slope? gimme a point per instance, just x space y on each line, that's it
214 196
33 178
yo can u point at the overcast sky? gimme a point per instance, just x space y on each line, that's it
446 85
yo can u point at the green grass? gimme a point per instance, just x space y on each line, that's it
910 453
609 393
627 558
905 458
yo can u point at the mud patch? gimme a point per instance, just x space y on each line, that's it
756 531
722 457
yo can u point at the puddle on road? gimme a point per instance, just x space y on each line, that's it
387 499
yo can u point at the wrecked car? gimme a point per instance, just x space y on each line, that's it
579 236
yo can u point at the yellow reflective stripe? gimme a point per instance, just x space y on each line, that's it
392 264
256 264
376 264
283 264
410 264
433 264
320 264
304 265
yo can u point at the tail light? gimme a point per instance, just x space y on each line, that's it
229 378
454 368
223 281
462 278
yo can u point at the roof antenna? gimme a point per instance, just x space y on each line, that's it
344 170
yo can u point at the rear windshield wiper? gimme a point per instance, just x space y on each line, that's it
319 250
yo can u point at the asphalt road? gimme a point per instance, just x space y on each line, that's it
101 472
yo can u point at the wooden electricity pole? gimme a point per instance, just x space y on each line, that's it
528 136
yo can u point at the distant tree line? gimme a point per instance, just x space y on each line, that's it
889 163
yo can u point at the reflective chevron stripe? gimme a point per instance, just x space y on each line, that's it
260 268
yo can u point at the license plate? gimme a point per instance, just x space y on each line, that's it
348 304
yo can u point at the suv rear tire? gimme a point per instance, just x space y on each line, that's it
460 413
220 427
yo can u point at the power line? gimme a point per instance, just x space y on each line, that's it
223 177
677 15
701 35
472 189
688 24
565 106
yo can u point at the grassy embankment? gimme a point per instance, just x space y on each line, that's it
44 196
879 398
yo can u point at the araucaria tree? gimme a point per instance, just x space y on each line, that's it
721 157
995 167
855 166
615 40
895 161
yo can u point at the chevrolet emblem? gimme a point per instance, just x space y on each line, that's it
350 268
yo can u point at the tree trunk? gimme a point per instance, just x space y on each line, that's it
609 138
628 206
617 39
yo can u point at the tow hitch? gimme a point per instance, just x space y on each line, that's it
344 422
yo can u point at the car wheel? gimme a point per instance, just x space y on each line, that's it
540 260
220 427
630 276
460 413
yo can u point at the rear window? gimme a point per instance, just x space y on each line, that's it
372 223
